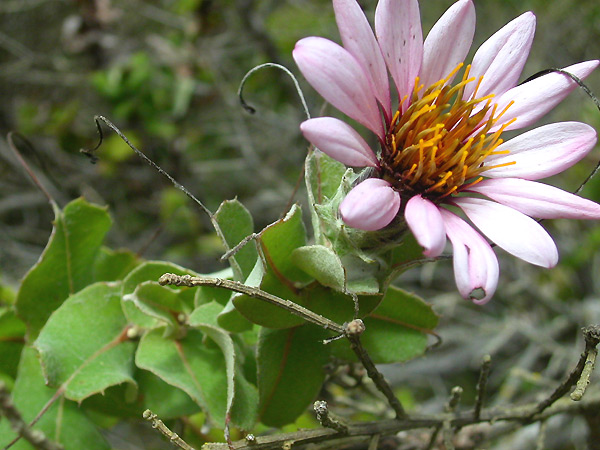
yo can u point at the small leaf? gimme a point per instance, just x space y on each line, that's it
279 240
321 263
290 372
84 344
66 265
149 271
276 273
323 175
160 303
236 223
114 265
396 331
64 422
242 396
190 365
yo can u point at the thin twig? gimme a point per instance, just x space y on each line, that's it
447 430
481 385
389 427
11 143
160 426
239 246
35 437
592 337
352 331
288 305
91 154
541 437
327 419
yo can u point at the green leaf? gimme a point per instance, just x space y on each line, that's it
396 331
337 306
236 223
84 345
207 294
279 240
66 265
190 365
161 304
290 372
242 396
64 422
276 273
323 175
12 338
149 271
114 265
321 263
167 401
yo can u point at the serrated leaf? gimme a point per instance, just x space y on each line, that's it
290 371
84 346
242 396
66 265
149 271
276 273
64 422
114 265
396 331
190 365
279 240
160 303
236 223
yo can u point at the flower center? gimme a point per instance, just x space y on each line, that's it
438 146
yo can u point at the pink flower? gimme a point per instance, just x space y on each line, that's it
442 142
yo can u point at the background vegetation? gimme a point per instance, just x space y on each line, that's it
166 72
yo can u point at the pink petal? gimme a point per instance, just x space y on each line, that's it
537 199
359 40
448 42
398 29
475 263
425 222
340 79
519 235
371 205
501 58
543 152
535 98
340 141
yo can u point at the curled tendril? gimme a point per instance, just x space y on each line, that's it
251 109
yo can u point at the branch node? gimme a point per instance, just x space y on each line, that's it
455 395
354 328
165 431
327 419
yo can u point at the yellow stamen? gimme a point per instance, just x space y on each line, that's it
437 145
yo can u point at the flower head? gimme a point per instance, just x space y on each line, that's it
441 145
